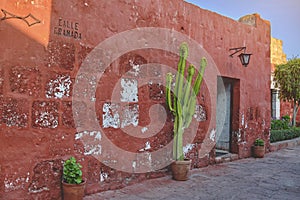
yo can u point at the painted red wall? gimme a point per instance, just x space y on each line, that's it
39 67
286 108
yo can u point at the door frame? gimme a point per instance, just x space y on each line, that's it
234 111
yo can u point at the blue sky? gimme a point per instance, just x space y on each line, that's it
284 16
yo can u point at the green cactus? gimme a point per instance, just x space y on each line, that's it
182 104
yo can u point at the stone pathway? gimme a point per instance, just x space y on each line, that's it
277 176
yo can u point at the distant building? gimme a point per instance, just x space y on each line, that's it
279 108
277 57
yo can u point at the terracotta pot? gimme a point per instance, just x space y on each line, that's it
181 169
73 191
258 151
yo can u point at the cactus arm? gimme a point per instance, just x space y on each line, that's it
193 97
180 71
199 79
168 92
187 89
177 74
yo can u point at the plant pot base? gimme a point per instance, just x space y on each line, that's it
73 191
181 170
258 151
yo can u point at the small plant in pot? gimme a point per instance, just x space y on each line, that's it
182 105
73 184
259 148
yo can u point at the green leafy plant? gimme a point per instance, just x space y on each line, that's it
286 118
277 135
281 124
286 134
259 142
287 79
72 173
183 101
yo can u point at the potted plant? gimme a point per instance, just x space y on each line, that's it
259 148
72 183
182 105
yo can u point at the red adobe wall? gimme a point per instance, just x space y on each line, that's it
286 108
40 66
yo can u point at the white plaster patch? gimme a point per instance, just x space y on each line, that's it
130 116
92 139
149 158
11 184
111 117
103 176
135 68
144 129
187 148
239 136
129 90
59 88
38 190
47 120
212 135
91 149
200 113
243 119
134 165
15 119
147 147
263 123
88 86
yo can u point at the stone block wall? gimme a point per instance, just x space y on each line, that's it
45 117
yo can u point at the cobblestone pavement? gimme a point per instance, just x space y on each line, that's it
277 176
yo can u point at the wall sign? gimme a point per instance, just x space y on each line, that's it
67 28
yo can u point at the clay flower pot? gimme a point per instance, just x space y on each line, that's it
258 151
259 148
181 169
73 184
73 191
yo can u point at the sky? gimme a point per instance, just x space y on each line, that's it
284 16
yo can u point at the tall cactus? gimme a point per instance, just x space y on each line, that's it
183 102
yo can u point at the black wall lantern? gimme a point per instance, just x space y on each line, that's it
244 57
